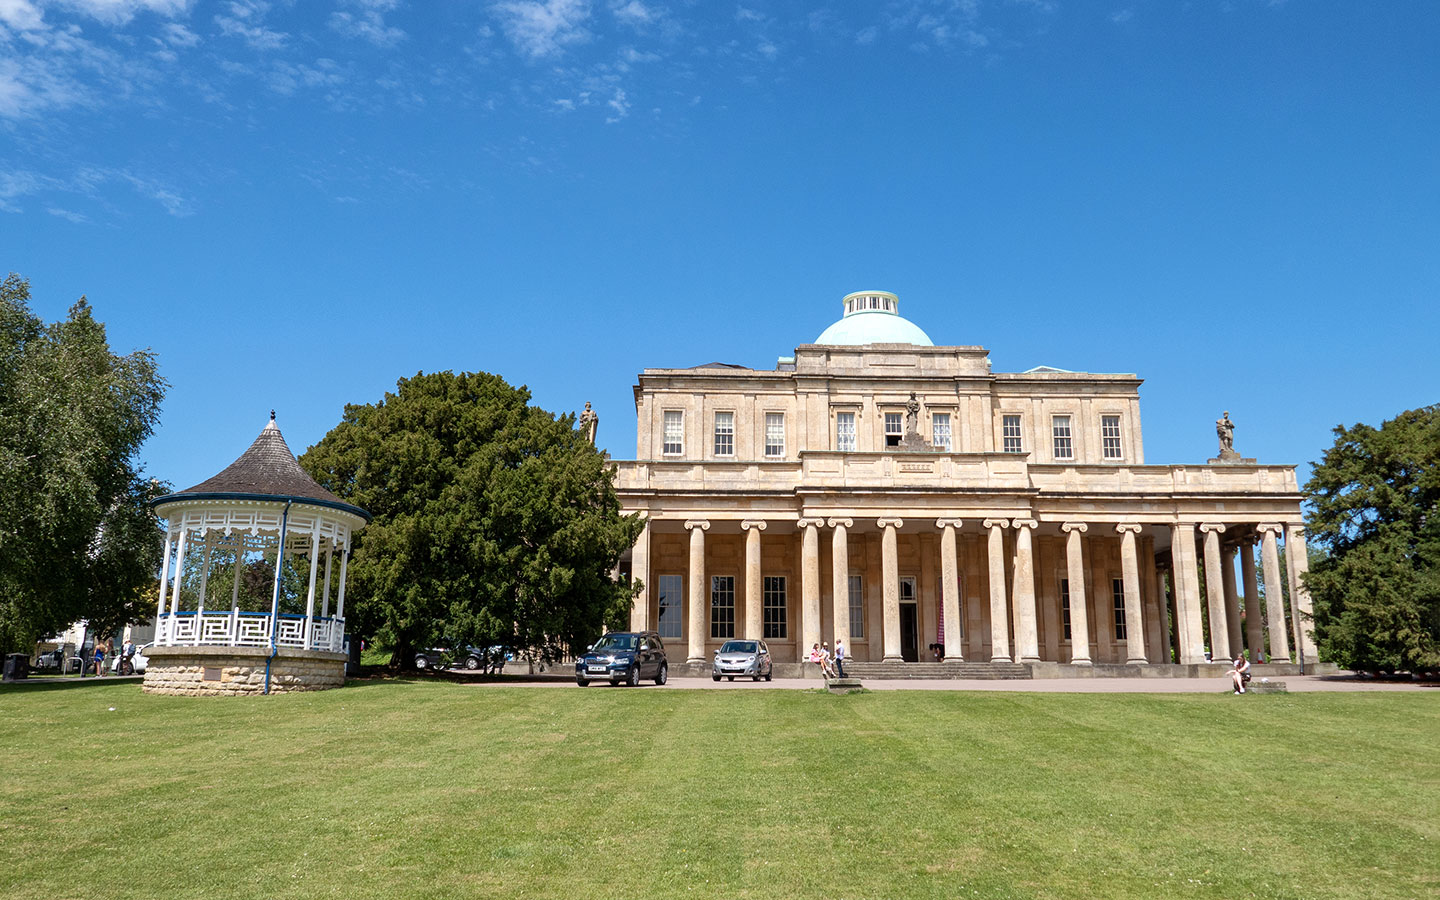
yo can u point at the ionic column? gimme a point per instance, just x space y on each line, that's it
164 587
890 587
839 582
1130 578
640 569
1274 598
696 625
1232 601
1079 609
809 582
950 592
1297 561
1167 649
1215 593
754 621
1187 593
999 611
1254 619
1027 635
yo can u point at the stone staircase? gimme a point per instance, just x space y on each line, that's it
987 671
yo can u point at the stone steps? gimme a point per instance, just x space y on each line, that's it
985 671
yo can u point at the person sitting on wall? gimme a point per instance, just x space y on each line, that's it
1239 673
814 657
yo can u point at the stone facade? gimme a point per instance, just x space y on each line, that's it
789 505
236 671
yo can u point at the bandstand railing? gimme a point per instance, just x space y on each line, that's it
232 628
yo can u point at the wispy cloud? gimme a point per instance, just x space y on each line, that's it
542 29
366 20
16 184
245 19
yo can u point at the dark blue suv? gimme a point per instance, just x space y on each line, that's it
624 657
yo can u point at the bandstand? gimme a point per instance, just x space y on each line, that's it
252 586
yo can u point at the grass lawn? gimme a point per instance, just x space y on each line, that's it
435 790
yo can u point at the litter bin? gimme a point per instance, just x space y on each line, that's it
17 666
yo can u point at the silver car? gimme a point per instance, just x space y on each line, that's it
742 658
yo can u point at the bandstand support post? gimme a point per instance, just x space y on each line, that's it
310 596
164 585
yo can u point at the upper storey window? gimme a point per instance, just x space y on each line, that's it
1010 435
1060 430
1110 437
674 432
940 430
774 434
894 429
867 302
724 434
845 431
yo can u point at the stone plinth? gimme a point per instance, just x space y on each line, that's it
235 671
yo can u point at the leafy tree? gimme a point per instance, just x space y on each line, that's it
1376 510
77 537
496 522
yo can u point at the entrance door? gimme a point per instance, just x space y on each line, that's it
909 632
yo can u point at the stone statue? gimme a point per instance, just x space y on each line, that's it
589 422
912 416
1225 430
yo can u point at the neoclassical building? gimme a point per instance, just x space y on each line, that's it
903 497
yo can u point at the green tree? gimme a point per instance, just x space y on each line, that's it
495 521
77 537
1375 503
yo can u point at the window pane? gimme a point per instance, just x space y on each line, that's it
774 434
894 429
774 608
722 606
1010 431
845 431
671 614
1060 428
1117 593
940 430
674 431
1065 605
1110 436
857 607
724 434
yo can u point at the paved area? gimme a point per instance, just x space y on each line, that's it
1293 683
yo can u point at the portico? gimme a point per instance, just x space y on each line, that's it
901 496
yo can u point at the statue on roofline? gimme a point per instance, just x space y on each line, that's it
589 423
1225 430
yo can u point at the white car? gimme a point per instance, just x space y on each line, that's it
138 662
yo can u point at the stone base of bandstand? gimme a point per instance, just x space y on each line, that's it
239 671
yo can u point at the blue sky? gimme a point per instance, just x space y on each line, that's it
295 204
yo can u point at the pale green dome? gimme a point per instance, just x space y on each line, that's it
873 317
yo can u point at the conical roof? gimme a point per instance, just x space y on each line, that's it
268 470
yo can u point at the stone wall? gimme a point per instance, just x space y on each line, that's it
235 671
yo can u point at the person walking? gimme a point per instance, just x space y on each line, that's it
99 659
840 656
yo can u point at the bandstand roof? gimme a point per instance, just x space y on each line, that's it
266 471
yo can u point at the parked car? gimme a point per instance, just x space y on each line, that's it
742 658
444 657
624 657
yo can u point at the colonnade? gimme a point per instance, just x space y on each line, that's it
1012 586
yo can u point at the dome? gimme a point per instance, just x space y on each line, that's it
873 317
